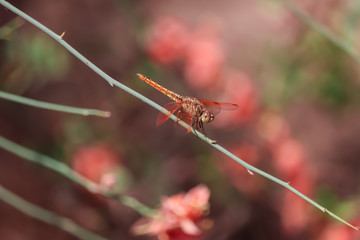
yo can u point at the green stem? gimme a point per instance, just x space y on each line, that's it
109 79
52 106
323 30
46 216
112 82
66 171
282 183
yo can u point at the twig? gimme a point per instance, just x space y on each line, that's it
323 30
282 183
52 106
46 216
112 82
66 171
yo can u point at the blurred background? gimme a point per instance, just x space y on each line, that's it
298 119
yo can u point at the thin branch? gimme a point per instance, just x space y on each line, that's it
323 30
46 216
112 82
52 106
66 171
282 183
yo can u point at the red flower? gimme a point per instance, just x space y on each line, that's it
238 175
273 128
294 213
289 156
204 60
239 89
97 163
179 216
167 40
337 232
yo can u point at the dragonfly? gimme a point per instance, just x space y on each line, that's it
194 112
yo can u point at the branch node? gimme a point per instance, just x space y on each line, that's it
250 172
107 114
62 35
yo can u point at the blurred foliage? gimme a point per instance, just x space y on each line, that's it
351 21
328 198
7 29
155 161
317 71
32 59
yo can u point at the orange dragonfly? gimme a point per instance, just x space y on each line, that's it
191 110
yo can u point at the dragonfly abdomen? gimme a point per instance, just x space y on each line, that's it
160 88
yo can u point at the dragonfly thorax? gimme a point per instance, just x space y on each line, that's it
195 108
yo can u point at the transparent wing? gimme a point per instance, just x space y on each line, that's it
185 117
215 107
171 107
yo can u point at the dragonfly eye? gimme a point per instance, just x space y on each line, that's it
211 117
207 117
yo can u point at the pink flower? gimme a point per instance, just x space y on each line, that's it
289 156
108 180
337 232
238 175
96 162
273 128
241 90
179 216
167 40
294 213
204 60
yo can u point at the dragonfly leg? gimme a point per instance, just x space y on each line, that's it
201 128
199 125
194 125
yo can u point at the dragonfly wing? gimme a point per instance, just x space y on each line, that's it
171 107
185 117
215 107
228 106
211 105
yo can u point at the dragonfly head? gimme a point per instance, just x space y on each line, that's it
207 116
